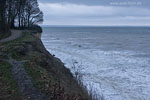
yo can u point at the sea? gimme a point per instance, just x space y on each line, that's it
112 62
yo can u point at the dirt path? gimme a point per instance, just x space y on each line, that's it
24 81
14 35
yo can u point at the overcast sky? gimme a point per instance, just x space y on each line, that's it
96 12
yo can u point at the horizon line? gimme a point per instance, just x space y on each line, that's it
98 25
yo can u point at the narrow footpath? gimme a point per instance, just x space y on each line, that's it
23 80
14 35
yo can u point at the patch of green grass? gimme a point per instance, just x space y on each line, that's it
10 50
26 37
37 67
15 55
32 55
11 47
40 76
8 86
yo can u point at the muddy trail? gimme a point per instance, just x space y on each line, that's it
14 35
24 81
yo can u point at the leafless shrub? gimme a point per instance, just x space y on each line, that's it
79 77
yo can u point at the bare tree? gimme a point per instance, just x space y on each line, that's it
34 15
24 13
37 19
2 15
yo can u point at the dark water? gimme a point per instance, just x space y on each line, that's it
107 38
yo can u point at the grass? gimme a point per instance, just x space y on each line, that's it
44 81
44 75
8 86
12 47
40 76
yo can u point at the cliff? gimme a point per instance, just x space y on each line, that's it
29 72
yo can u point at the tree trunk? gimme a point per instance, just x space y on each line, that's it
3 26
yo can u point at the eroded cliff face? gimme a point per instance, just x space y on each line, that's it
47 73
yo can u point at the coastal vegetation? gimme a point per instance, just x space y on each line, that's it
27 57
27 70
19 14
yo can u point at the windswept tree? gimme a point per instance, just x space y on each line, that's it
37 19
3 15
34 15
12 12
20 13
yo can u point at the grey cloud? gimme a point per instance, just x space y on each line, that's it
145 3
73 13
74 10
